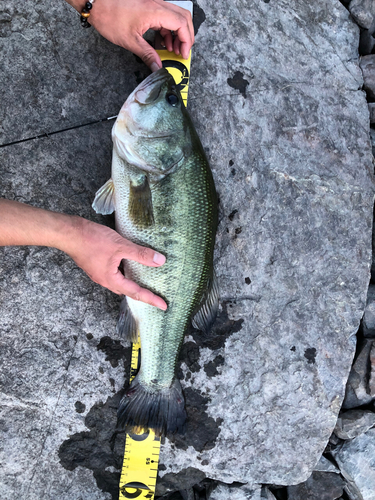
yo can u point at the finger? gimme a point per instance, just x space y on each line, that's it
143 255
134 291
176 45
148 54
179 21
180 11
184 50
168 40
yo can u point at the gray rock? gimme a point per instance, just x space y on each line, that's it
363 12
275 346
56 84
366 43
325 465
319 486
184 480
53 318
225 491
367 64
267 494
371 382
356 461
352 491
352 423
372 137
371 108
357 388
292 165
333 441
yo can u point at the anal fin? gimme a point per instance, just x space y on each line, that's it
127 326
208 307
104 202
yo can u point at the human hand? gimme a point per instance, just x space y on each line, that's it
99 250
123 22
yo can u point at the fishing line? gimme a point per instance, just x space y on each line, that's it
48 134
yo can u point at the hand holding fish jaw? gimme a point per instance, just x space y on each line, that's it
99 251
123 22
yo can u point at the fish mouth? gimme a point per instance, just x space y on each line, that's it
149 90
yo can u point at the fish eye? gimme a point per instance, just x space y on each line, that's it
172 99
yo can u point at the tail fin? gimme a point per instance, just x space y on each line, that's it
162 410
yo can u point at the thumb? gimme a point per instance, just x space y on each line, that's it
147 53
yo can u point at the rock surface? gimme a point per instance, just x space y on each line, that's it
356 461
367 64
325 465
224 492
284 124
353 423
368 321
371 381
371 108
363 12
366 43
319 486
55 73
357 388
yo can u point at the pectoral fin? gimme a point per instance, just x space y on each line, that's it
140 202
208 307
104 202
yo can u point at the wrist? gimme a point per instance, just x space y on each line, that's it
69 233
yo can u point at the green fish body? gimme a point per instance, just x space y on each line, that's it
164 198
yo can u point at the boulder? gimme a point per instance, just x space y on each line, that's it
366 42
367 64
357 388
355 459
224 492
319 486
363 12
275 95
352 423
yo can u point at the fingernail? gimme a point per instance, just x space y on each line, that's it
154 67
159 259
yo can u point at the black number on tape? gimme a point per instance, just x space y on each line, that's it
135 485
169 63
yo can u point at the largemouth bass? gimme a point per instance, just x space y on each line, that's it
163 195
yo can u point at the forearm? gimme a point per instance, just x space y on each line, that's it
22 224
97 249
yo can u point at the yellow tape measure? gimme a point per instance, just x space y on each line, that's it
179 68
141 456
